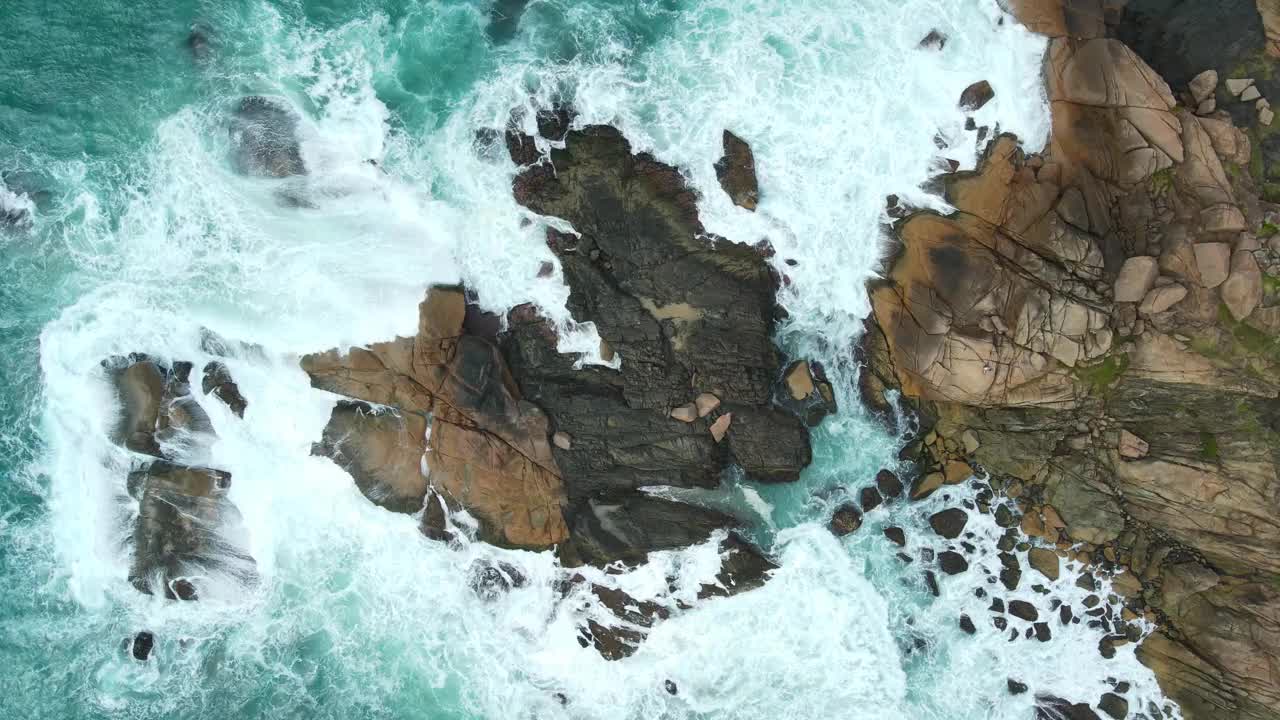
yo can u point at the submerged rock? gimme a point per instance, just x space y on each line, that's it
217 379
187 532
264 136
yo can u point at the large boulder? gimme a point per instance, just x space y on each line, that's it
188 533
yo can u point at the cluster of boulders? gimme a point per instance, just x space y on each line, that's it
186 530
485 414
1093 328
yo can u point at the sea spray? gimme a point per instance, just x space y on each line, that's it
357 614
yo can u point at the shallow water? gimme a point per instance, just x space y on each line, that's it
113 136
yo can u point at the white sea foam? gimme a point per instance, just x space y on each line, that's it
357 614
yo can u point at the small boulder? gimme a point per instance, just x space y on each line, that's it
1250 94
1044 561
1162 298
966 624
1023 610
949 523
670 687
845 520
736 171
1137 276
489 581
956 472
969 439
889 484
1203 85
1214 262
217 380
952 563
1015 687
686 413
562 440
721 426
926 485
933 41
976 95
1114 706
799 381
1042 632
1237 86
896 536
705 403
264 138
870 499
143 642
1242 290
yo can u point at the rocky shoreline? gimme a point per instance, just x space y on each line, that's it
1095 328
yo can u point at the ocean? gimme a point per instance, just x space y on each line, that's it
138 235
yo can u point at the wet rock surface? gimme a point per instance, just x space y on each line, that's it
490 417
1089 329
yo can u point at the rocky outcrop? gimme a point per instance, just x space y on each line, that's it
1088 328
546 451
737 172
187 532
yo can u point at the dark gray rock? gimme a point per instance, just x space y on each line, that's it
264 138
845 520
737 172
217 380
949 523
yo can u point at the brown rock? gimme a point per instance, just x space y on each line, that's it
1203 85
1044 561
957 471
562 440
737 172
845 520
382 450
976 95
926 485
799 381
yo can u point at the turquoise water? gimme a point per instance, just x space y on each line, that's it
113 136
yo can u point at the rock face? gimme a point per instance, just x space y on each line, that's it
1084 295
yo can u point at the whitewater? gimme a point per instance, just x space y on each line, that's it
141 237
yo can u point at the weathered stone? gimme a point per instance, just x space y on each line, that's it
896 536
721 426
1023 610
382 450
1242 290
845 520
1203 85
952 563
949 523
1044 561
562 440
799 381
976 96
1236 86
1131 446
926 485
1162 298
1250 94
888 483
706 403
1213 260
1136 277
737 172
